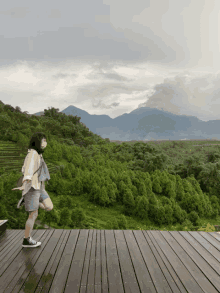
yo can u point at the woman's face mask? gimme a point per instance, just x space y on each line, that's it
43 143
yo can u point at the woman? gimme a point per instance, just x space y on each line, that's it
34 193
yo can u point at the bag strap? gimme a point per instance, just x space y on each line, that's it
39 167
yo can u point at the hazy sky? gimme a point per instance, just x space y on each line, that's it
111 56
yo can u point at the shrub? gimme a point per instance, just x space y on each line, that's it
122 222
67 173
128 199
103 198
159 216
113 224
78 217
179 215
164 200
190 202
187 225
194 218
156 184
64 217
168 215
142 207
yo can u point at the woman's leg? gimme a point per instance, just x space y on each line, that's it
41 206
48 204
30 223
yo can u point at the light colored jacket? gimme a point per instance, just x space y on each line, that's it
31 164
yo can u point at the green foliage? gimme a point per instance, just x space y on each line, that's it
194 218
1 189
190 202
187 225
3 212
179 215
168 214
180 193
78 217
128 202
65 219
122 222
156 184
51 216
142 207
164 200
113 224
214 206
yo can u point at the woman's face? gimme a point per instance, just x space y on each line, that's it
43 143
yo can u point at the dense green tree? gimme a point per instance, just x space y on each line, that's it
179 215
156 184
142 207
168 215
78 217
194 218
65 215
128 200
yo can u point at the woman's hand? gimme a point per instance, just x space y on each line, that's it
22 187
28 180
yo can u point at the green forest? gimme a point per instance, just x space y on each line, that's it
98 184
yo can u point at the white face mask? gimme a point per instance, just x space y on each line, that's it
43 144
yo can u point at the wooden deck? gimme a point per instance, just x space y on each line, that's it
110 261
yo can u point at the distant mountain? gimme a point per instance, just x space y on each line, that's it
146 124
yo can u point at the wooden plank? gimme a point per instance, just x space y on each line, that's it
113 267
215 235
9 250
149 274
49 273
48 248
8 271
87 264
128 275
209 243
73 260
175 282
22 265
188 281
58 284
104 264
191 259
8 233
213 241
142 261
203 259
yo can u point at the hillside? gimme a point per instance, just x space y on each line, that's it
102 185
146 123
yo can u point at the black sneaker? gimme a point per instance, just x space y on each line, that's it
29 242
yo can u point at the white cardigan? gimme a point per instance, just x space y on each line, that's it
31 164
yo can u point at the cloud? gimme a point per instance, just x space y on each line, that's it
186 94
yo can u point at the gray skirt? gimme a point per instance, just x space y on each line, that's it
33 197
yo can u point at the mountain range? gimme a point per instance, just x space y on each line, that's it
146 123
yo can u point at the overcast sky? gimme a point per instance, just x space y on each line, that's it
111 56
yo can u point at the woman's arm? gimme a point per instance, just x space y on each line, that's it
29 168
27 181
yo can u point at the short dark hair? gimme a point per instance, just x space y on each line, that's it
35 142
